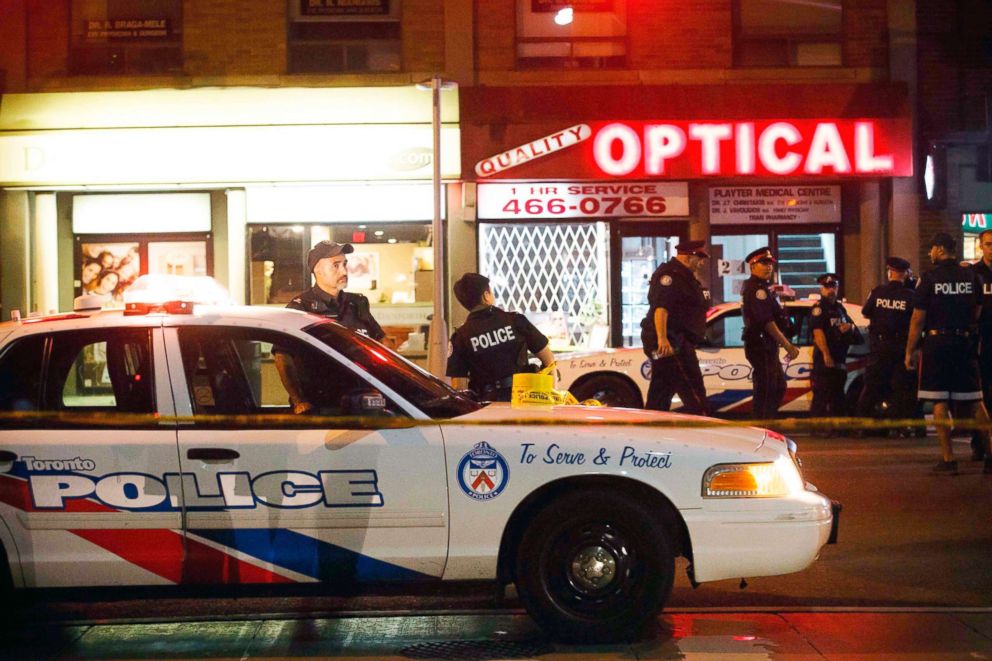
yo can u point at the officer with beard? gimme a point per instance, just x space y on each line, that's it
764 321
889 308
833 335
674 326
328 263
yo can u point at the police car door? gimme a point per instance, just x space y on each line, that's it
288 500
87 471
726 371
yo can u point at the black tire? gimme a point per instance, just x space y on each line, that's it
610 390
626 577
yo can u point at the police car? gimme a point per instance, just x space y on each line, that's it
620 377
155 446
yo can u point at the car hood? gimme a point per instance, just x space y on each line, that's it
677 427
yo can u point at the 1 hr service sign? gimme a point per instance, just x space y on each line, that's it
550 200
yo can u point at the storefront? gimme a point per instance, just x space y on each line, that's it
972 225
99 188
582 192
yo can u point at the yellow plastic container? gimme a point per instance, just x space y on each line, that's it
532 390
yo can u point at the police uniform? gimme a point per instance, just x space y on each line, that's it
675 288
984 349
949 294
490 347
827 315
348 309
759 305
889 309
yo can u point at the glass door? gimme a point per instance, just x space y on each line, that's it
641 256
727 268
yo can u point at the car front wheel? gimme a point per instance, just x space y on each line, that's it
608 390
594 566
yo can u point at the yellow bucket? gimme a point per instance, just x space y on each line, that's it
532 390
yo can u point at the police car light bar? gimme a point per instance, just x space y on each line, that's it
161 291
168 307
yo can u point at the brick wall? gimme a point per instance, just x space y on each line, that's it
48 39
866 33
230 37
495 30
423 35
694 34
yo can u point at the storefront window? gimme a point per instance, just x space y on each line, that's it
641 256
595 37
331 36
392 266
729 271
126 37
555 273
783 33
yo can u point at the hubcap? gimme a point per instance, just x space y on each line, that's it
593 568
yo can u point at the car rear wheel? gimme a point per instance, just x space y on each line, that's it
594 566
609 390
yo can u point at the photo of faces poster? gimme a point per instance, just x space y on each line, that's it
108 269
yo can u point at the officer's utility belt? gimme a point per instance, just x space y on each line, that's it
959 332
888 337
497 385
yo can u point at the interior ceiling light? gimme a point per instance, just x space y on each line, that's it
564 16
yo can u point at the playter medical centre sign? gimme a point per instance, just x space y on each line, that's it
694 149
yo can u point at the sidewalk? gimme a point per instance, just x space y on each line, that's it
512 635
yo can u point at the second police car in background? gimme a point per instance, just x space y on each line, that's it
156 447
620 377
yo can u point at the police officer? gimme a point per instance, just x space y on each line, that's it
328 263
764 323
889 308
491 346
833 335
946 306
984 269
674 326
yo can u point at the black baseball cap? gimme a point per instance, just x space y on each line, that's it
829 280
696 248
944 240
897 264
761 255
327 249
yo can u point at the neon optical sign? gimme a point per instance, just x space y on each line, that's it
766 148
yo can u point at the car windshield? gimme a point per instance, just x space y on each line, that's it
428 393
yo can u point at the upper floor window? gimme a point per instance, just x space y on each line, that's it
327 36
126 36
786 33
571 34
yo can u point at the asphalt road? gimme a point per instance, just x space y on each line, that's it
907 539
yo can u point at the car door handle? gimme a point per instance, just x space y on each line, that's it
212 454
7 455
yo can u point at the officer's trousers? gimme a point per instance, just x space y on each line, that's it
886 372
680 374
766 376
828 390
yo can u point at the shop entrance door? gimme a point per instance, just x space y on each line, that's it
643 247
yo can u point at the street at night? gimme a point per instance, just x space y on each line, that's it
909 576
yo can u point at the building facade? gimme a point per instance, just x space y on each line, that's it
225 139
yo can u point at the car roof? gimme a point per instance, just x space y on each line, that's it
853 309
201 314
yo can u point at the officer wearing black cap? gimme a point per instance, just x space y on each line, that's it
889 308
491 346
984 269
765 329
328 263
674 326
833 335
946 306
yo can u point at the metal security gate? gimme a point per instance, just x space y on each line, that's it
556 273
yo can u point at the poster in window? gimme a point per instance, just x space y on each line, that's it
363 270
344 7
177 257
107 269
540 6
